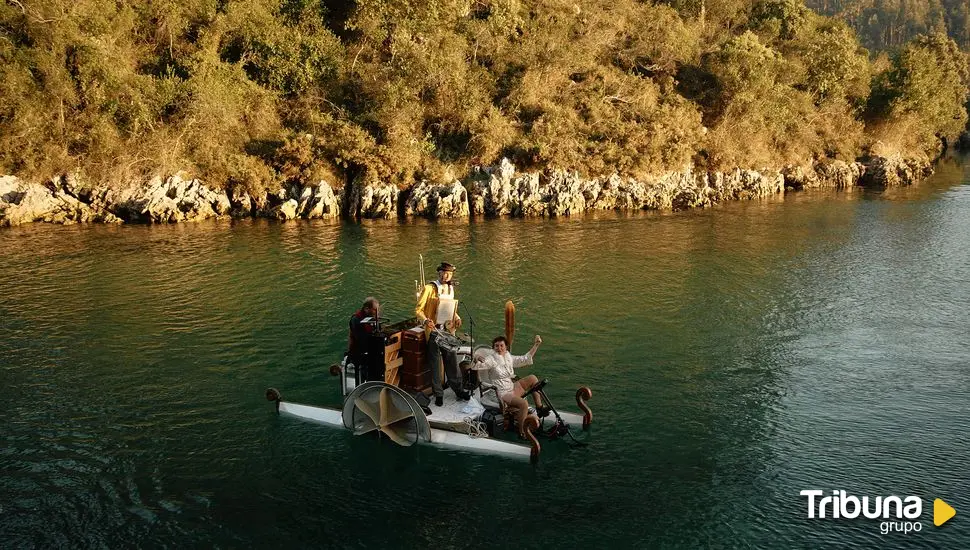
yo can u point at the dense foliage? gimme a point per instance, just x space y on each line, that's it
884 24
259 92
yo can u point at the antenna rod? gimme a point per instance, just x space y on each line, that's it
421 269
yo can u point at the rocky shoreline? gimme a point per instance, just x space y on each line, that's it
488 192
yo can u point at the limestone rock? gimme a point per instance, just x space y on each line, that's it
476 204
605 195
372 200
894 171
491 192
831 173
318 201
677 190
287 210
525 198
565 192
241 204
438 201
839 174
53 202
452 201
799 177
744 184
173 200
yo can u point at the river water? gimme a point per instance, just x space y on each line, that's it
737 356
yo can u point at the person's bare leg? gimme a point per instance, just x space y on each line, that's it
521 407
524 384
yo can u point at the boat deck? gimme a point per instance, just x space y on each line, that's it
452 414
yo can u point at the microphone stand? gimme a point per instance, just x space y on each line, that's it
471 324
471 335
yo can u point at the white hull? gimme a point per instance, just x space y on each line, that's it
444 438
320 415
574 420
487 445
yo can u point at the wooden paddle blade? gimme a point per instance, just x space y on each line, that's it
509 322
390 413
369 422
399 432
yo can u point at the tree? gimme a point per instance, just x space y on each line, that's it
763 117
925 91
837 68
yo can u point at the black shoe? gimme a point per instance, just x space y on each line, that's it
427 411
464 396
439 400
543 412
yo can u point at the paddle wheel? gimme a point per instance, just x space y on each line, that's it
376 406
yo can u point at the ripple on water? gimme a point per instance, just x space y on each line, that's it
737 356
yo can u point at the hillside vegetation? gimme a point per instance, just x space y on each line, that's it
887 24
256 93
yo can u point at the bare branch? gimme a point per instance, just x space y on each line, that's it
617 98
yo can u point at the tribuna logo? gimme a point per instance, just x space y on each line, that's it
842 505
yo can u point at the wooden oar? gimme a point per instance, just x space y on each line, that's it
509 322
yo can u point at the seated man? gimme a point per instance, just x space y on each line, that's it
501 366
365 348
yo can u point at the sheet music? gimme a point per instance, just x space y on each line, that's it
446 310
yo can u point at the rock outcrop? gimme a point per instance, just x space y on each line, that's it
311 202
894 171
839 174
489 191
286 210
60 200
318 202
614 193
242 204
502 192
437 201
372 200
171 200
827 173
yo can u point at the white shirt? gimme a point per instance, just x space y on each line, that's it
498 370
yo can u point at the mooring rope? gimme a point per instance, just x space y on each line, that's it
475 427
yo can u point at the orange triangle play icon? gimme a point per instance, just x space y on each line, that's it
942 512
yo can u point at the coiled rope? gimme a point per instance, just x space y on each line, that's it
475 427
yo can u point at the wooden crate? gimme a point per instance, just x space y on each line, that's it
414 372
413 362
392 358
413 341
416 382
392 344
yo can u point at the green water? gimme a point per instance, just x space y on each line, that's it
737 356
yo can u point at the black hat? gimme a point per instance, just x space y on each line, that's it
445 266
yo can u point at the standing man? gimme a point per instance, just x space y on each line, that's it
365 344
438 309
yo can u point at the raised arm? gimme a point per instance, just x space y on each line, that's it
536 342
526 360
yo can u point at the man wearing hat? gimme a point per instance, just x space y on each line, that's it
438 308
